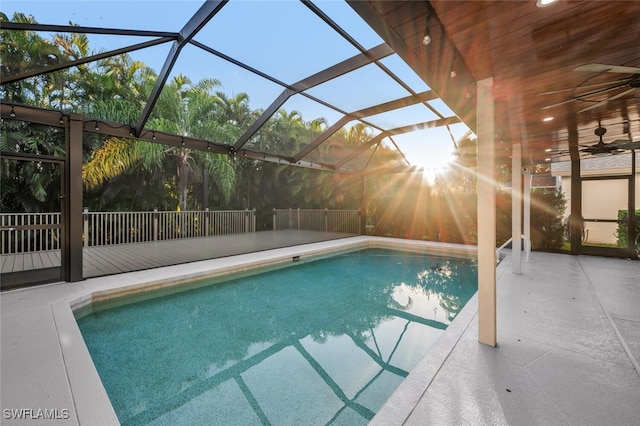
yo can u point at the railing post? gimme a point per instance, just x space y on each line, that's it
206 222
253 229
85 229
298 218
274 219
155 224
246 220
326 220
290 225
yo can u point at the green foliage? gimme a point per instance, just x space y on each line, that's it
547 227
622 233
30 186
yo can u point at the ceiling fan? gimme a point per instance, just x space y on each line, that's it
615 147
601 148
594 91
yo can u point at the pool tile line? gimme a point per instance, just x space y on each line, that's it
335 388
251 399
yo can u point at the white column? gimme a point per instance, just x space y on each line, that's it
527 206
486 214
516 209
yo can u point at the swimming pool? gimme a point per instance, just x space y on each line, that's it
324 341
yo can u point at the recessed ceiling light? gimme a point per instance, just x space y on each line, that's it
547 150
547 119
545 3
547 159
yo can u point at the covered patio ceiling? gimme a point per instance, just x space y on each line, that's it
538 58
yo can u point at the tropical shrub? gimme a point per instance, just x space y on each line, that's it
622 233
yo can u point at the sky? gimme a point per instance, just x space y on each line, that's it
282 38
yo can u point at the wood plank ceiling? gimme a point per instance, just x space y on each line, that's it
529 51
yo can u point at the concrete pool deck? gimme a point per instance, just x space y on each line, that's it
568 345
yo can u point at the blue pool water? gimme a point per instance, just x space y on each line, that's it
320 342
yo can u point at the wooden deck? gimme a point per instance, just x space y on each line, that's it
108 260
29 261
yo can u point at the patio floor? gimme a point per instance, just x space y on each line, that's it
568 347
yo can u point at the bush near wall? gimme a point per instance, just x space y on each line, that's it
547 228
621 233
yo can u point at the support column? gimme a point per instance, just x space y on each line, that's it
575 218
72 200
205 188
516 209
363 206
527 207
486 214
631 234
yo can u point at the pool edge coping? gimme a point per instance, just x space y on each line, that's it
91 402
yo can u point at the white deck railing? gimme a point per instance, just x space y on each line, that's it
347 221
32 232
29 232
108 228
526 247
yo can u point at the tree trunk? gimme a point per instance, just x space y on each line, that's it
183 175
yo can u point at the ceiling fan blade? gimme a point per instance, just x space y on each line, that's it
584 86
626 145
558 104
597 104
584 95
598 91
608 68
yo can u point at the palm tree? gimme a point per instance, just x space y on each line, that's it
182 109
234 110
189 110
23 51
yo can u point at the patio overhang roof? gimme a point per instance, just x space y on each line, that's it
533 55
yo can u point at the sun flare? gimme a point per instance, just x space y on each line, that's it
433 165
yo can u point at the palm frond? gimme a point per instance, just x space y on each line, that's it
223 173
112 159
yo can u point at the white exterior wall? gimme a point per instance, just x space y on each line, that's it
601 200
